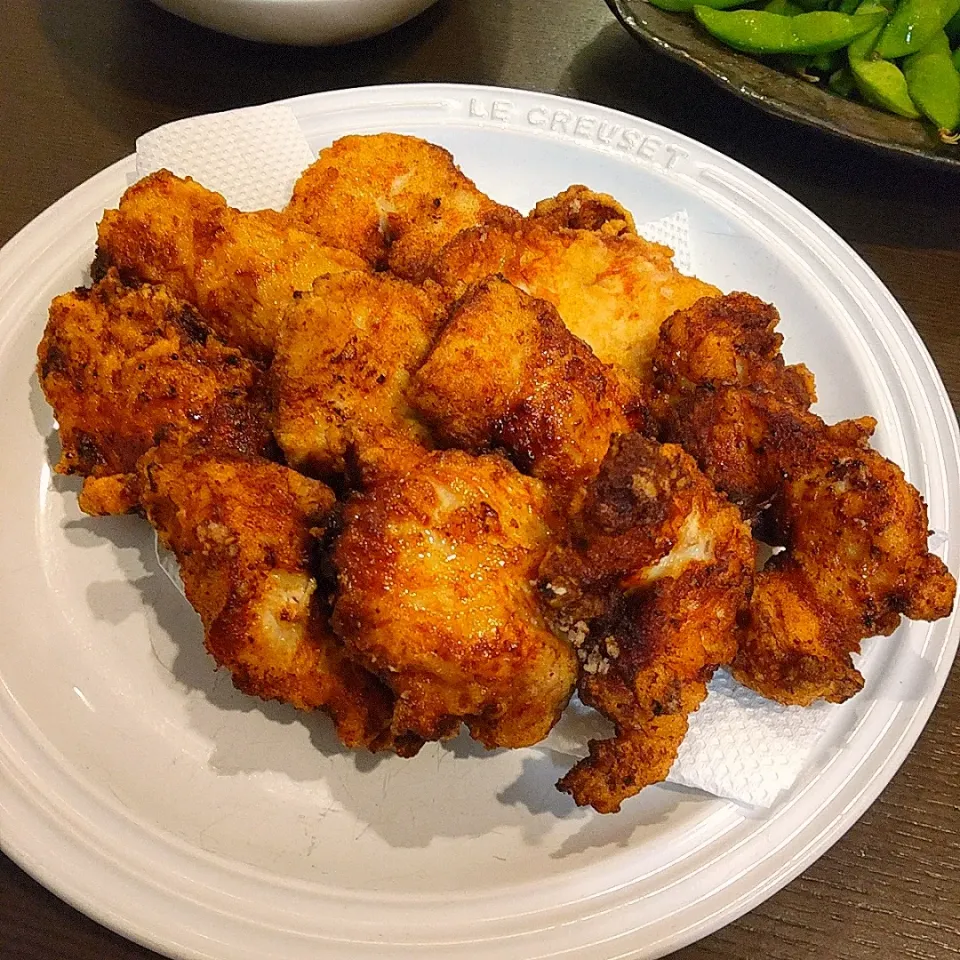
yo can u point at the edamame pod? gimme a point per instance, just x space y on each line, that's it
862 46
758 31
880 82
786 8
685 6
956 59
913 24
934 83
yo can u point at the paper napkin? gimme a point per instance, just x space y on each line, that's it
739 746
252 156
674 232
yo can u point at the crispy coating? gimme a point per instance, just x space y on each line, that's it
392 199
341 371
241 530
612 289
729 341
855 560
126 368
506 372
580 208
469 589
240 270
436 596
854 531
648 586
719 378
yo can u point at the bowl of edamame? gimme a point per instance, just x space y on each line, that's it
884 72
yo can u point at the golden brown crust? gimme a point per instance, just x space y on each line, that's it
435 596
467 592
505 372
393 200
649 585
855 560
125 368
854 530
240 270
241 530
729 341
580 208
612 290
341 372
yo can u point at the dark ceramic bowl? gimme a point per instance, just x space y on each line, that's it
681 37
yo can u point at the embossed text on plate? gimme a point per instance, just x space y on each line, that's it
583 127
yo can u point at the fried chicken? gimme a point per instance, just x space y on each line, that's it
580 208
240 270
393 308
719 380
126 368
241 529
436 596
612 288
854 531
648 586
506 373
341 371
855 560
392 199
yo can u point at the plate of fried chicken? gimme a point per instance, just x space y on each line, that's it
437 447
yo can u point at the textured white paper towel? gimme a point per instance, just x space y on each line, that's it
674 232
739 746
252 156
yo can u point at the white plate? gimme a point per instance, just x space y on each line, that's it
139 786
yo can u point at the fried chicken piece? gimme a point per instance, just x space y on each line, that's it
612 289
392 199
506 372
855 560
240 270
720 380
341 371
241 529
854 531
125 368
436 596
648 586
729 341
580 208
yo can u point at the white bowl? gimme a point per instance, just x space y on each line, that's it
301 22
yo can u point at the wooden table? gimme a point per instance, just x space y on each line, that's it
81 80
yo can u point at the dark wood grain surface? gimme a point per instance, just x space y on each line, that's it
81 79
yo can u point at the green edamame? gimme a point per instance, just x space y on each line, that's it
934 83
686 6
786 8
758 31
880 82
893 54
913 24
